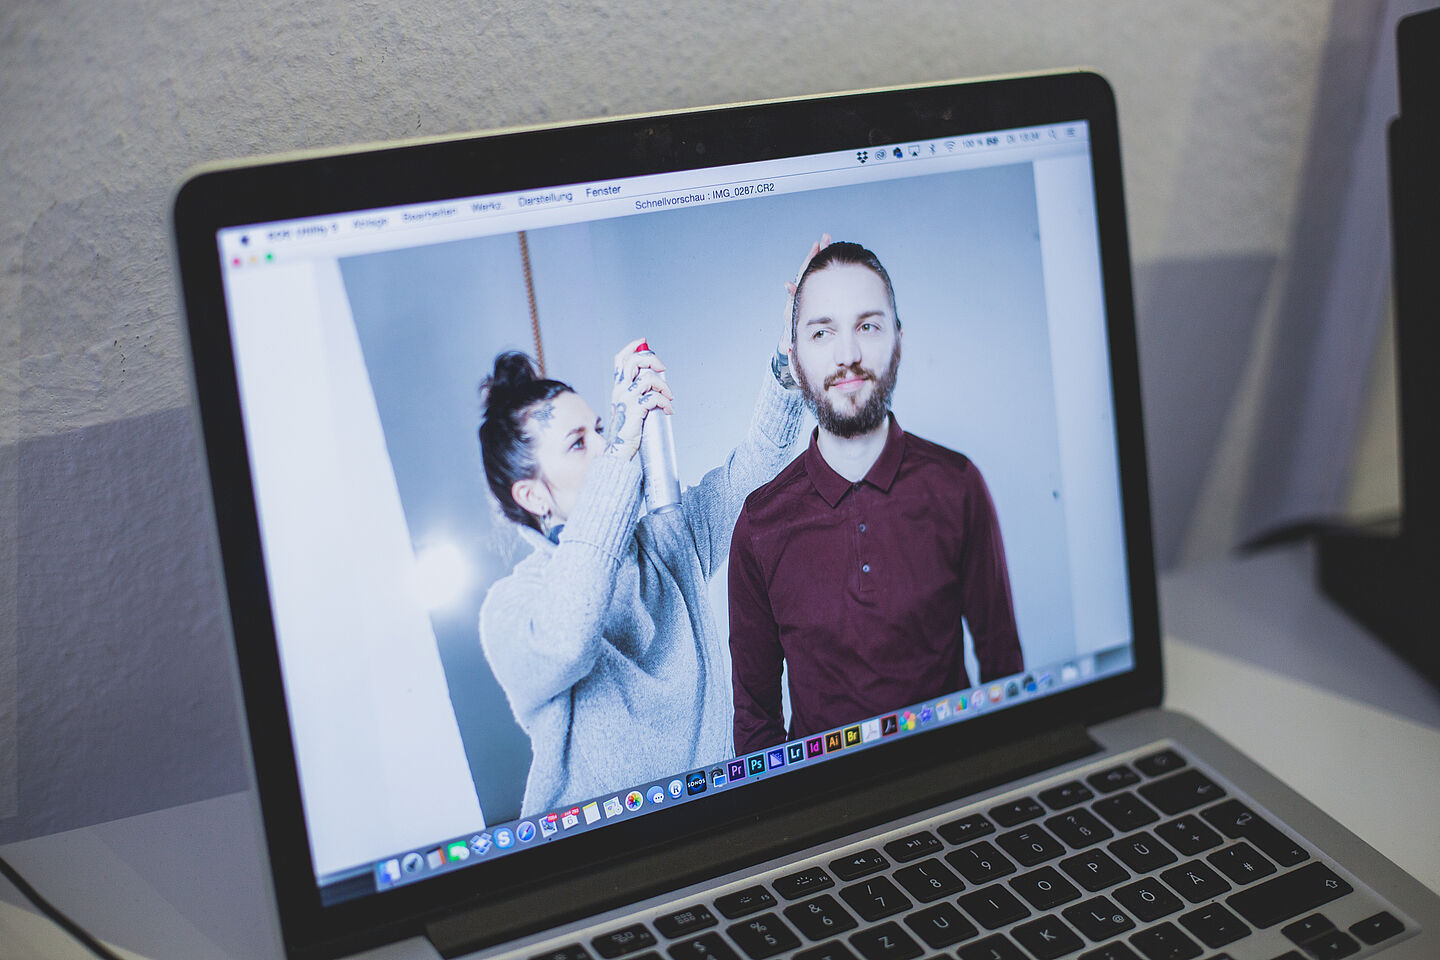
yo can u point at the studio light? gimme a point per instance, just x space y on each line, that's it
442 574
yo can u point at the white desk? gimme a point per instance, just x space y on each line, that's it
1378 774
185 883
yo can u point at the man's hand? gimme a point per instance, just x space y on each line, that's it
783 363
638 389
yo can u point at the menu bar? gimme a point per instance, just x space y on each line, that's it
348 234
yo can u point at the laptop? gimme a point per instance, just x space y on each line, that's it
595 596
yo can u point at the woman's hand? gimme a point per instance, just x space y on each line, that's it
638 389
783 364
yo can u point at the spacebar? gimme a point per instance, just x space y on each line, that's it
1268 903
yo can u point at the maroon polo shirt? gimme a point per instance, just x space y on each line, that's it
860 588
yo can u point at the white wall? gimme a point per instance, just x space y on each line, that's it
104 106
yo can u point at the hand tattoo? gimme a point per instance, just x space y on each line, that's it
617 421
780 367
619 374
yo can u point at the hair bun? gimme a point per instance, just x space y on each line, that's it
505 438
513 372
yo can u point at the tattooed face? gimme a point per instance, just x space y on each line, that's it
567 435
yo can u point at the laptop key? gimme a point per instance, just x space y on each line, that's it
1125 811
980 862
1044 888
1016 812
1098 919
913 847
1239 822
1183 791
1066 795
1189 835
1030 845
834 950
875 898
857 865
1241 863
1165 942
966 829
1080 828
1375 929
802 884
996 947
1142 852
1111 951
1214 925
1195 881
742 902
993 907
940 925
1148 899
1116 778
617 943
1288 895
928 880
1047 937
571 951
885 942
1094 870
763 936
683 922
820 918
1307 928
707 946
1332 946
1159 764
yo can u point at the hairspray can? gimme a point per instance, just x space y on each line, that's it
657 458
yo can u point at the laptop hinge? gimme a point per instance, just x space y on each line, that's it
753 841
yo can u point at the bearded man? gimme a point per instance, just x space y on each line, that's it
856 569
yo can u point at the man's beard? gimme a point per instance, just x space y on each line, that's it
870 415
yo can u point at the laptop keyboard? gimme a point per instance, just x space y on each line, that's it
1148 859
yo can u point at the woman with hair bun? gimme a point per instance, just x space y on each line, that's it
603 638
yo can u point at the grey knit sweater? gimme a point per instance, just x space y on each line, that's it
606 645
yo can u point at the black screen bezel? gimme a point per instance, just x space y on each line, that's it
430 171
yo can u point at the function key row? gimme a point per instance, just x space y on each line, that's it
1172 788
913 847
802 884
743 902
940 925
1066 795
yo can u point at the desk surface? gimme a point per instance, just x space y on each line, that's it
186 882
1265 660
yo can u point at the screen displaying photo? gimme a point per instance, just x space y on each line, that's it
556 512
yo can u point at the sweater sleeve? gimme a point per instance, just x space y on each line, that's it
542 627
713 505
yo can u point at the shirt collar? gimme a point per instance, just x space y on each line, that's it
832 487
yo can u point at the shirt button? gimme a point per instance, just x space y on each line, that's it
865 568
862 528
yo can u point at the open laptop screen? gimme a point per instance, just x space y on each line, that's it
459 692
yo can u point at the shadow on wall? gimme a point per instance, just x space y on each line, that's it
125 698
1197 320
